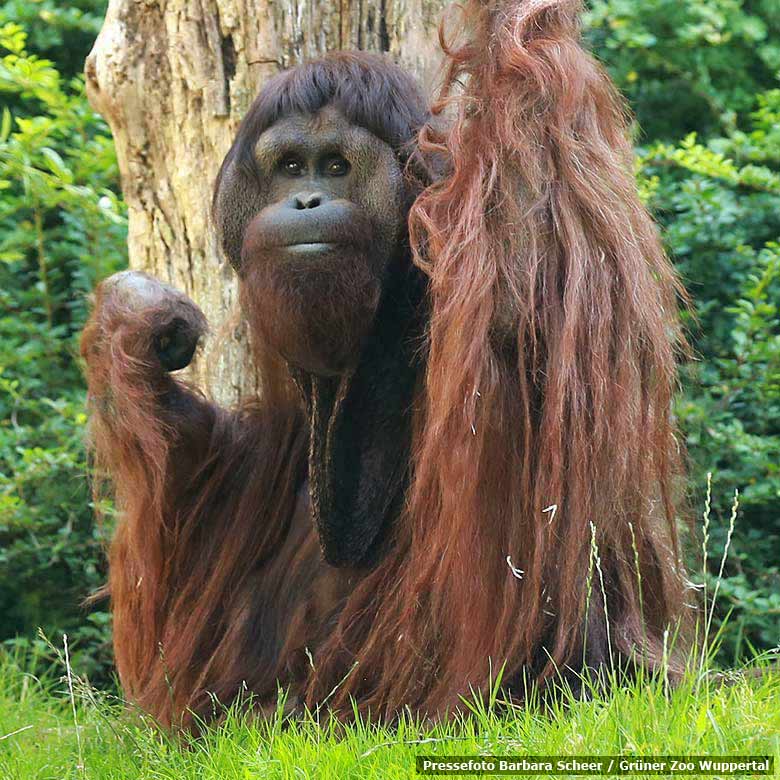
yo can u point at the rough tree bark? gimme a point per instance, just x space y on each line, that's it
173 79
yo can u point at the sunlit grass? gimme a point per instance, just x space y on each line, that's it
703 715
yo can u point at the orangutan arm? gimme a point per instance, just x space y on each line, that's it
206 497
147 428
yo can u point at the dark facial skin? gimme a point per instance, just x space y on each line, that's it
317 236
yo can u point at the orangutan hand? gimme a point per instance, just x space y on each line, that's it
140 318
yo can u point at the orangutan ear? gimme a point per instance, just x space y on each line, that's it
361 429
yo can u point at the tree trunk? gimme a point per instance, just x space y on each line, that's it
173 79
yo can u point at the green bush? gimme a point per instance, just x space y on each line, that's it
688 66
62 226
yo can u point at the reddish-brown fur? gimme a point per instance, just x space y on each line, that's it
550 375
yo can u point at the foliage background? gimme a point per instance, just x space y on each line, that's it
61 228
703 78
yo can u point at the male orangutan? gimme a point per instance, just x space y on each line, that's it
466 331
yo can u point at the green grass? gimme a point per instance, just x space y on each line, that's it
39 738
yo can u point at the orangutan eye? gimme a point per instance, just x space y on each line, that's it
292 166
337 166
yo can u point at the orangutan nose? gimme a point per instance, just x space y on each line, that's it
309 200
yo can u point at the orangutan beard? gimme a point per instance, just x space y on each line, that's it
316 313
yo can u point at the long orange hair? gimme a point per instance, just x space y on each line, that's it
550 377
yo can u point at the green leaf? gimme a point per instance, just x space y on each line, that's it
5 125
57 164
